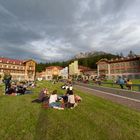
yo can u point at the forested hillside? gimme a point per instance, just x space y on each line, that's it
89 61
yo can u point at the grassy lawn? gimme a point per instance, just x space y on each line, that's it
134 81
111 84
93 119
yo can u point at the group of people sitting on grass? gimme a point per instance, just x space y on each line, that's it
18 88
53 100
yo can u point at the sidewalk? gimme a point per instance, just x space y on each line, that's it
128 99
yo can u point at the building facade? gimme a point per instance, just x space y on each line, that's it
128 67
64 73
73 68
19 69
87 73
53 71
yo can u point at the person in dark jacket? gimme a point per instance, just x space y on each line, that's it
6 79
43 96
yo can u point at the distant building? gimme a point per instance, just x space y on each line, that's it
19 69
53 71
73 68
64 73
126 67
87 73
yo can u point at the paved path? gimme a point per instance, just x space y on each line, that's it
124 99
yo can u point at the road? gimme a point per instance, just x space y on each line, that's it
130 99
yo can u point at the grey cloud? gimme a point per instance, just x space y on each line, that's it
59 29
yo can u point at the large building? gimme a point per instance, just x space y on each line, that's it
19 69
53 71
128 67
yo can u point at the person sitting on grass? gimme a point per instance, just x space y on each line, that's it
71 100
53 101
11 91
78 99
43 96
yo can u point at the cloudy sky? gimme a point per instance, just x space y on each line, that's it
50 30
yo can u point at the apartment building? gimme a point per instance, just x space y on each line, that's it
19 69
128 67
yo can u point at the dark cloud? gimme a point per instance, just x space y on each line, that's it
58 29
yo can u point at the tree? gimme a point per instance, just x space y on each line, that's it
131 54
121 54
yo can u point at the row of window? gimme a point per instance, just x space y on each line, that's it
10 62
12 71
122 64
11 67
103 66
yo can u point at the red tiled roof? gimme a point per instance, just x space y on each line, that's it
52 67
9 60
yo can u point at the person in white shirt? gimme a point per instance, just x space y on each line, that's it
53 97
71 87
53 101
71 100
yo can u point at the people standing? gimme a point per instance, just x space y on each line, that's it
120 81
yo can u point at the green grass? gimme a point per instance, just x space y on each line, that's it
111 84
134 81
93 119
1 89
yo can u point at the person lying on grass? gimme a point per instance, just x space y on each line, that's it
43 96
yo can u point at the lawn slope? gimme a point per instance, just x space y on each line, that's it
93 119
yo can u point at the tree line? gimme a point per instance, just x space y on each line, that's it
88 62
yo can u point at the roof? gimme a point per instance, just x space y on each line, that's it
103 60
52 67
29 60
12 61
